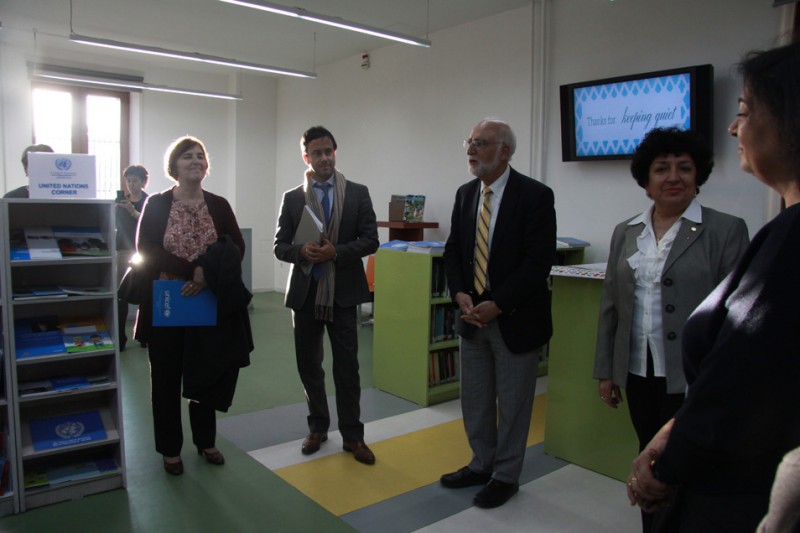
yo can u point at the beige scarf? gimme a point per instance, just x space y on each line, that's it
323 304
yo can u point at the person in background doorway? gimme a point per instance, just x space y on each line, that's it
662 264
326 284
129 209
498 256
23 191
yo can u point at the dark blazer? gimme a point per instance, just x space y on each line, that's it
150 245
701 256
358 237
522 253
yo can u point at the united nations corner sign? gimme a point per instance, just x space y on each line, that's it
62 176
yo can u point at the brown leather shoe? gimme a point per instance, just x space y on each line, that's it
173 467
360 451
312 443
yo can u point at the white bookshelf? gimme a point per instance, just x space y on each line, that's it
104 397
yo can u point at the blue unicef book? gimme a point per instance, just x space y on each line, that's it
170 308
66 430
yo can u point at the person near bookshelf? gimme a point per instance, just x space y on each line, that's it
128 210
662 264
498 256
326 284
23 191
178 229
712 466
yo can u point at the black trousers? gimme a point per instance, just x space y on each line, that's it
308 343
165 350
650 407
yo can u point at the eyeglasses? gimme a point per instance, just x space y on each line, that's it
477 143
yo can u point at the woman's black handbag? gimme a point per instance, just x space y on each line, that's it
135 284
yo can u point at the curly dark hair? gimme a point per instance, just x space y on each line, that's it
672 141
772 79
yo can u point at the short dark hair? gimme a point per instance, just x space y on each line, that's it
772 78
672 141
137 170
314 133
33 148
177 148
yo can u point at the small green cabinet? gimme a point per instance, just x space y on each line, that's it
415 353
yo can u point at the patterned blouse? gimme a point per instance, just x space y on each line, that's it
189 231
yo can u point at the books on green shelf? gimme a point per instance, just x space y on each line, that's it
426 247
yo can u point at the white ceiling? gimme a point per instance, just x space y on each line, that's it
221 29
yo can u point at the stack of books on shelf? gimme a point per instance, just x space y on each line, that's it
42 477
439 288
443 367
45 243
426 247
396 245
47 335
443 322
60 383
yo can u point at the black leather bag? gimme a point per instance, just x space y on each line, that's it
135 284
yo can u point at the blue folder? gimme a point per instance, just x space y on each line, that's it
66 430
172 309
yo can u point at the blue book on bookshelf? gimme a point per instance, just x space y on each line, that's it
37 336
170 308
66 430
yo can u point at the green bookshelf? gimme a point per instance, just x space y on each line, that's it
406 333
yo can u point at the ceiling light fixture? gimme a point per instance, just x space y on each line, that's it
123 84
191 56
301 13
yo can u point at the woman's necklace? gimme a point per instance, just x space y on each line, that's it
662 225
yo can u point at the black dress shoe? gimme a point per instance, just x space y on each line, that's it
360 451
495 494
312 442
464 477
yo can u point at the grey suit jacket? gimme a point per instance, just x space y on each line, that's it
701 256
358 237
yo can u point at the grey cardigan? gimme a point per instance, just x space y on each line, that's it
701 256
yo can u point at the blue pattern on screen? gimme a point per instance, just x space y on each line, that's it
676 86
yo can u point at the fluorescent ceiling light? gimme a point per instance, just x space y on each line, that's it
123 84
191 56
301 13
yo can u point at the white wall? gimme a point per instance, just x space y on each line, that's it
400 123
592 39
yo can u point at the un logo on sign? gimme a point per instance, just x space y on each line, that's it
63 163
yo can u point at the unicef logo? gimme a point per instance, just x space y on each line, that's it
167 313
62 163
70 430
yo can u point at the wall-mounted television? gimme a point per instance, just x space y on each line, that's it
607 119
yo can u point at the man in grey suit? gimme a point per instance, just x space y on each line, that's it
498 256
326 284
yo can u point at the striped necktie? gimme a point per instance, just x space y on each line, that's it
482 243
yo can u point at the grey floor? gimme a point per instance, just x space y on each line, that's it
266 425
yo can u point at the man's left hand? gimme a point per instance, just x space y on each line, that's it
482 314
